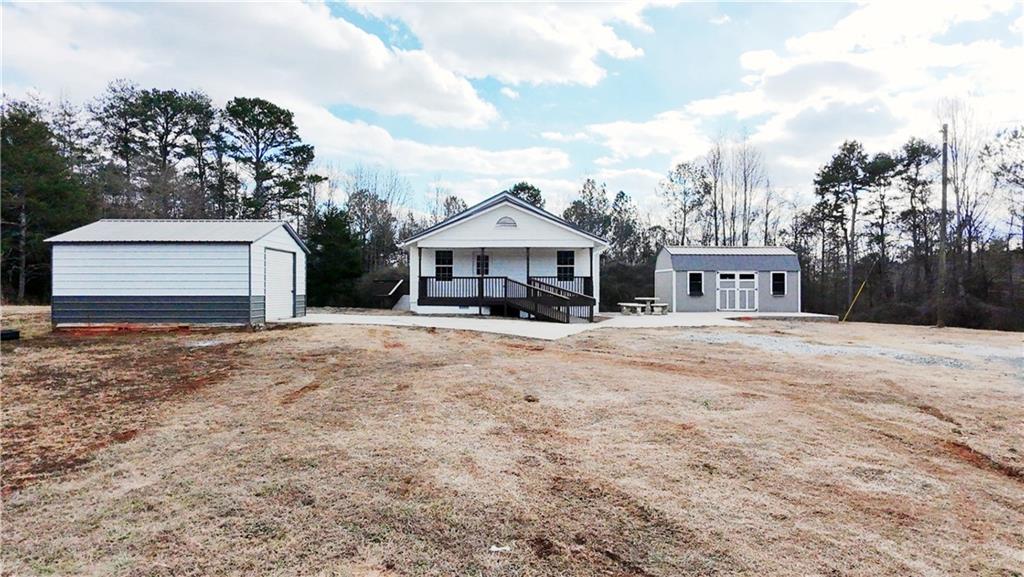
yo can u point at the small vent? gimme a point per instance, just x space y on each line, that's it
506 222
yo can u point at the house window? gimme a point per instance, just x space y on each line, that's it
443 265
506 222
483 264
566 265
778 284
695 282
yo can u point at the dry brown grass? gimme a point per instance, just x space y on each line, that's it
32 321
385 451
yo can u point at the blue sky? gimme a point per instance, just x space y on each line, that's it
474 97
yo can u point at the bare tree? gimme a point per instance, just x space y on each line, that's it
770 214
375 198
684 192
714 166
748 175
443 204
966 170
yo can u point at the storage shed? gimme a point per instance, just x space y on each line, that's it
178 271
728 278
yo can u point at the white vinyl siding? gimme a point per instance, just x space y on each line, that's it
482 230
150 269
280 284
510 262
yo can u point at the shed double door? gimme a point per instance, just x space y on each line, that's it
279 276
737 291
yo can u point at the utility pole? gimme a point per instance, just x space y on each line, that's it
940 314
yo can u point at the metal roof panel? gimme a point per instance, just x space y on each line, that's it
168 230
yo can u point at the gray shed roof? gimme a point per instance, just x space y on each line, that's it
157 230
739 258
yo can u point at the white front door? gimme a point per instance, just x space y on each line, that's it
737 291
280 284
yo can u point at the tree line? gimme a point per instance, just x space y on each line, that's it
150 153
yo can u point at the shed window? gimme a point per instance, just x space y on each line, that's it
778 284
443 265
566 265
695 282
483 264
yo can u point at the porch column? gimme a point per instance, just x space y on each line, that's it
415 272
480 288
527 265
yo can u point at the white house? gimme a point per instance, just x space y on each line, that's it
178 271
505 256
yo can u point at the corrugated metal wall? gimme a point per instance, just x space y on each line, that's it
150 282
151 309
150 269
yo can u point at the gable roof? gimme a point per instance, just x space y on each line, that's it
498 199
753 258
174 231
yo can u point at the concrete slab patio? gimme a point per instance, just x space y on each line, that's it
545 330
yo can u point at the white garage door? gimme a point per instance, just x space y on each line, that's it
280 284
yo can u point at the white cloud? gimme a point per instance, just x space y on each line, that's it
520 43
563 137
720 20
881 25
345 140
557 192
639 183
672 133
509 93
232 49
876 76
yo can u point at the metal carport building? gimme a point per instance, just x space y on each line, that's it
178 271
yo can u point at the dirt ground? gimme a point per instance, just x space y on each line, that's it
777 449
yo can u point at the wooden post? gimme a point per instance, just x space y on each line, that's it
527 265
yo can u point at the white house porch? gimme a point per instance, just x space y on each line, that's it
549 282
505 256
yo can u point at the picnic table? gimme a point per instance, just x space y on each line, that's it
645 305
647 302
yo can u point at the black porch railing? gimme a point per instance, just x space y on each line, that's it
578 284
461 288
536 297
580 305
